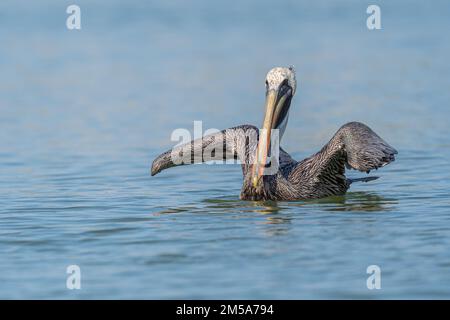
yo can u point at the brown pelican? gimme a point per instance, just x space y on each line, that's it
354 146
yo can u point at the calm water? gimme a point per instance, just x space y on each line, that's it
83 114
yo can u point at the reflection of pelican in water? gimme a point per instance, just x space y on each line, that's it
353 146
354 202
359 201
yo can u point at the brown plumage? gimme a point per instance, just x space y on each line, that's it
354 146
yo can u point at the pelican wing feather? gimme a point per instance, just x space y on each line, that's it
354 146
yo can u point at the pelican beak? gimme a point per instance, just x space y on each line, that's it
276 109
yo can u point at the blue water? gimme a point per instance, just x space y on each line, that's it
83 113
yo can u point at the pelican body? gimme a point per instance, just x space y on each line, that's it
354 146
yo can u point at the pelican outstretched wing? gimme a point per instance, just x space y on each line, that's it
354 146
233 143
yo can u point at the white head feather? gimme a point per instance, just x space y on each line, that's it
276 76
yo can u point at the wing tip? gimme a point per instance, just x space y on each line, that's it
156 168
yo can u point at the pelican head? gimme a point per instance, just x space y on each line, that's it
280 88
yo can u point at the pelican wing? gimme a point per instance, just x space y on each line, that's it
232 143
354 146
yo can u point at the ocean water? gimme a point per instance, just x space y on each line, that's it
84 112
